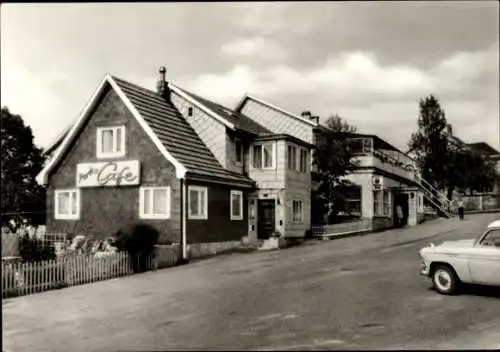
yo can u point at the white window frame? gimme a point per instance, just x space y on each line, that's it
303 151
378 201
300 204
153 215
204 199
74 192
273 156
291 162
388 203
99 153
232 216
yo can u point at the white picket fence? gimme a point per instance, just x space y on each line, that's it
26 278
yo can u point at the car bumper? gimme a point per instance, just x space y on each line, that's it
425 269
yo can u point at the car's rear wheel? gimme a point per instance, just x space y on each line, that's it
444 279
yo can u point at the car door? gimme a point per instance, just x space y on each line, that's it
484 259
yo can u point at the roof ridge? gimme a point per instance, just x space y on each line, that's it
138 94
232 117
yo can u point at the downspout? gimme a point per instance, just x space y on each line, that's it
183 219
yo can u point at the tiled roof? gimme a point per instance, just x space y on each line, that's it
483 148
239 120
176 134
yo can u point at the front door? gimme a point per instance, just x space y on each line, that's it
265 218
402 200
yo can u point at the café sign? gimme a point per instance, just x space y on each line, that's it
108 174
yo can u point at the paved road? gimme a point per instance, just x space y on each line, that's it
353 293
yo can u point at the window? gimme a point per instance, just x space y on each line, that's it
387 203
492 239
154 202
238 151
303 160
376 203
297 211
257 157
67 204
292 157
263 156
236 205
110 142
352 196
190 111
197 202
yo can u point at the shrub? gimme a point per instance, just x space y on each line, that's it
139 241
31 249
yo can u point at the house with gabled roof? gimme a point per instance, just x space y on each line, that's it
198 172
384 177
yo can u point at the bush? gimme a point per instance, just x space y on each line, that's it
139 241
31 249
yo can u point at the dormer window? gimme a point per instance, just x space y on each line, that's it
110 142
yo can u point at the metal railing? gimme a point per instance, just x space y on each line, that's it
365 146
434 196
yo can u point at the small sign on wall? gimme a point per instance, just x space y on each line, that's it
377 182
108 174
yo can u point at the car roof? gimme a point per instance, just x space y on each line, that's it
495 223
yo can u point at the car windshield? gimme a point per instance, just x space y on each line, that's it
492 238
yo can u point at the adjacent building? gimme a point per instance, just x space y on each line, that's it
385 176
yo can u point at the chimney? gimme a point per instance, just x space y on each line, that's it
306 114
315 119
449 129
162 85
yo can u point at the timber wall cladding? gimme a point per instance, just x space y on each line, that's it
104 210
276 121
271 178
218 227
210 131
298 187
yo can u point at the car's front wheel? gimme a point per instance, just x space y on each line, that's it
444 279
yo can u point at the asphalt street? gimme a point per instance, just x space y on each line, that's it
353 293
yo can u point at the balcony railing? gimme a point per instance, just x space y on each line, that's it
365 146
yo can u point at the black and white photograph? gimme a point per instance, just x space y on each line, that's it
250 176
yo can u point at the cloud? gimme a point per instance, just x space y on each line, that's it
256 47
369 94
39 104
297 55
349 75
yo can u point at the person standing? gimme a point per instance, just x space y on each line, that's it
399 216
460 209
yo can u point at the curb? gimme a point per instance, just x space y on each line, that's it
491 211
330 237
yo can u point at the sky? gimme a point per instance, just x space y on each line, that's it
369 62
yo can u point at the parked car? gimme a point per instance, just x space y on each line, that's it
473 261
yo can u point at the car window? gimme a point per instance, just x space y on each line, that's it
492 238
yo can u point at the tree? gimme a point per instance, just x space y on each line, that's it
333 160
430 144
23 200
476 173
446 163
139 240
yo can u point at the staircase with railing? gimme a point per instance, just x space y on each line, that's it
434 196
401 164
